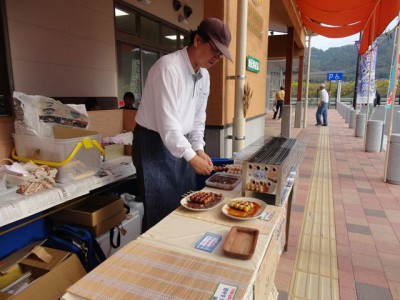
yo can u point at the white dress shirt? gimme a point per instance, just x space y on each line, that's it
323 96
174 104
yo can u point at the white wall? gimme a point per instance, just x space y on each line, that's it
63 48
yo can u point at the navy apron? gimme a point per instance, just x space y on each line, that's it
162 178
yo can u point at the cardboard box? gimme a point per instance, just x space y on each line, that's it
128 150
113 151
91 212
61 271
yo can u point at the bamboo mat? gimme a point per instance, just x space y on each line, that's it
139 271
216 216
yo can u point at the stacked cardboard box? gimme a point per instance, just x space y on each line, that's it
98 214
37 272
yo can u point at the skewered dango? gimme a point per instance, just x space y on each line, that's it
245 206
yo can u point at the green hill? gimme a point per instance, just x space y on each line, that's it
344 59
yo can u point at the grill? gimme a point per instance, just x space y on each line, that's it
266 173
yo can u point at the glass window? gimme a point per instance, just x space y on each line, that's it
184 40
169 37
129 70
149 58
141 40
149 30
125 20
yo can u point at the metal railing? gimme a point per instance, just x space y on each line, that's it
313 102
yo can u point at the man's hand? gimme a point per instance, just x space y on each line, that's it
201 163
204 156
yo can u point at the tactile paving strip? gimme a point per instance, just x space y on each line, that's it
315 274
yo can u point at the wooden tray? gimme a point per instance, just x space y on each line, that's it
241 242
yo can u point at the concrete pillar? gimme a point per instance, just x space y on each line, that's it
297 116
348 111
393 168
347 115
374 136
360 125
352 123
286 121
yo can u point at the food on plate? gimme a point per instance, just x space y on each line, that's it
201 200
220 168
231 169
243 209
224 179
234 169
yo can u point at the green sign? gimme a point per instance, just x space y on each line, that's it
253 64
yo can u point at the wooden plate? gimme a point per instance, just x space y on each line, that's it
185 200
241 242
262 204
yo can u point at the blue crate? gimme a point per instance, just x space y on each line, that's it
20 237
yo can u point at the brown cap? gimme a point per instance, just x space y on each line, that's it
219 33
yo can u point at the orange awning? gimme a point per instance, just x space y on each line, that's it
341 18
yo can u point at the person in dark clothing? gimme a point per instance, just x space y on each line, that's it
91 104
377 100
129 100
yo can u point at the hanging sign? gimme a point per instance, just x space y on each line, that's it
334 76
366 79
252 64
393 82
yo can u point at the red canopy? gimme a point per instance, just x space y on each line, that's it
341 18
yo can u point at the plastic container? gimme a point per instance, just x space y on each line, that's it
217 161
223 181
75 157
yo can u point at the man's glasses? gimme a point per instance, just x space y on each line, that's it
215 51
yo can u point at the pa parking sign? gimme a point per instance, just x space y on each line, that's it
334 76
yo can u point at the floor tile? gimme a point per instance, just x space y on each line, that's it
366 214
358 229
370 292
375 213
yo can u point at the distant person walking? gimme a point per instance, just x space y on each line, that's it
322 106
279 98
377 100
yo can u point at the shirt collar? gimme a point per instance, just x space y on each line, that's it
196 76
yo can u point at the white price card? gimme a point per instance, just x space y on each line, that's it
267 215
224 292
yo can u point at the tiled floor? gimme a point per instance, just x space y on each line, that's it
344 240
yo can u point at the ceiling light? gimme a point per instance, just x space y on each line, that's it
173 37
119 13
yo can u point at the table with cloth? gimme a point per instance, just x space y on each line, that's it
163 263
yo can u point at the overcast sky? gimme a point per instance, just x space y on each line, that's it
324 43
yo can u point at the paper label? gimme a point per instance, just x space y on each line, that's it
208 242
266 215
224 292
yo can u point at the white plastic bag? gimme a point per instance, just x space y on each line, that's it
36 115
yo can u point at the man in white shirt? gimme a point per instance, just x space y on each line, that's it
322 106
168 144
